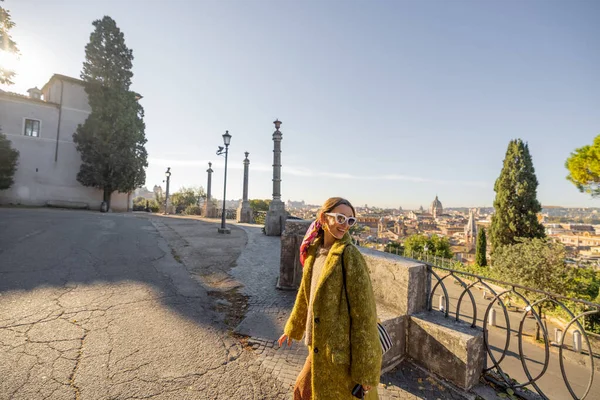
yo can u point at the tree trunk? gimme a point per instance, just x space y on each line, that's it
107 195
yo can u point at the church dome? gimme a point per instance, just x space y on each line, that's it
436 207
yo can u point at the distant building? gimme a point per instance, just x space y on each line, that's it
436 213
579 227
371 222
388 228
471 232
295 204
144 192
436 209
579 240
41 126
450 229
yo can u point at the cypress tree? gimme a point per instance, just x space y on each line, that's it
481 249
7 45
516 205
111 141
8 162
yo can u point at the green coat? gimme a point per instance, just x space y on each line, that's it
342 357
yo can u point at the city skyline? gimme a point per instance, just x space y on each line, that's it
386 104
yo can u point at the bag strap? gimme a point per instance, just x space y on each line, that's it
344 278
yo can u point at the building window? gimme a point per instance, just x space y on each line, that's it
32 127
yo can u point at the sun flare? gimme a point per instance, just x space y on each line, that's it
9 61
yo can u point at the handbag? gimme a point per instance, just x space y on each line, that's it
384 337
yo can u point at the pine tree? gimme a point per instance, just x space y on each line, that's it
8 162
7 45
516 205
480 258
584 168
111 141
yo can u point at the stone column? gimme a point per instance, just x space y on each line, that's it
244 212
276 216
209 211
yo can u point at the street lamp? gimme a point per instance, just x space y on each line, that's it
425 249
226 141
168 175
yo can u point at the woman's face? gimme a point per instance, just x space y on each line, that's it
331 226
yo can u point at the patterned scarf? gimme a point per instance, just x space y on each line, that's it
309 238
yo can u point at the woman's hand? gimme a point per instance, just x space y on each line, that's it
283 338
366 388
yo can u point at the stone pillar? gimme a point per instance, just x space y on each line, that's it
276 216
290 269
244 212
209 211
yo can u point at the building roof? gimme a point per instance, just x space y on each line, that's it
62 78
65 78
23 97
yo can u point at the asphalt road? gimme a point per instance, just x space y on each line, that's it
552 383
94 306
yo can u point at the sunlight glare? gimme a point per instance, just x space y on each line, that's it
9 61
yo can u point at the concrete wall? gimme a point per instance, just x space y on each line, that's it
47 174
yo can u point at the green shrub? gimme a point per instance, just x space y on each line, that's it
154 206
193 210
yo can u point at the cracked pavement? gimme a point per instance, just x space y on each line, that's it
95 306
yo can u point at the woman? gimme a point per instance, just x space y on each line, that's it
335 311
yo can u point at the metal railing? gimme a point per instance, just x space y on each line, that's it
260 217
501 294
230 213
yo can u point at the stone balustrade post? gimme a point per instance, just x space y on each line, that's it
276 216
577 341
492 317
244 211
557 335
209 209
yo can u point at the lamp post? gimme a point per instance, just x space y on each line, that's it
168 175
226 141
426 249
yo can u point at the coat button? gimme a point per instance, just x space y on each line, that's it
316 350
317 320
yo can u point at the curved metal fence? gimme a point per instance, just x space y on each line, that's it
504 311
260 217
230 213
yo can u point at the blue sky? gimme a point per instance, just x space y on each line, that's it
387 103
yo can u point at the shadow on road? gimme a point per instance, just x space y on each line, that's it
79 251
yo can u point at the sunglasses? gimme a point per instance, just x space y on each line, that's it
342 219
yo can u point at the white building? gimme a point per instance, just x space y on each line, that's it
41 126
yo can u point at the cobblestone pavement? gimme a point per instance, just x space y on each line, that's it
258 269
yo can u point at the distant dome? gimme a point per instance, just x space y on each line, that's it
436 207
